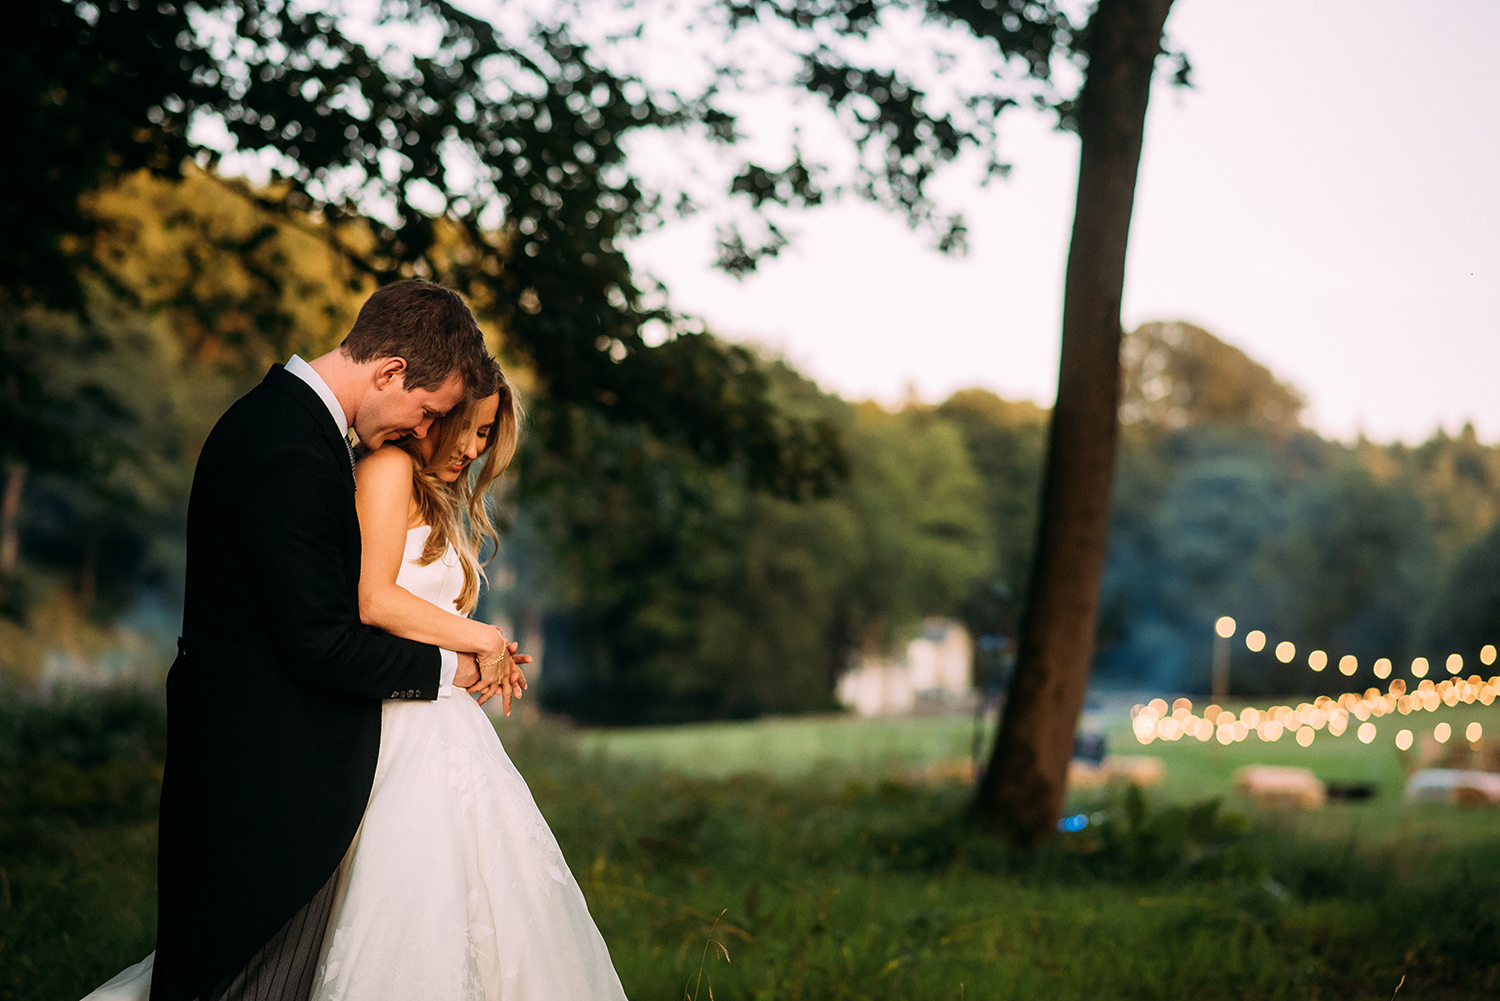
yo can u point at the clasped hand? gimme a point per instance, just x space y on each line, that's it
493 671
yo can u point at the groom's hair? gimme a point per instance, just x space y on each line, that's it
428 326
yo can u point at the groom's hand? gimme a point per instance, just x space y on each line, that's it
467 674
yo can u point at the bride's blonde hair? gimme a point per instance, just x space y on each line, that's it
457 511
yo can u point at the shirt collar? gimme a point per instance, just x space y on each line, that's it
302 370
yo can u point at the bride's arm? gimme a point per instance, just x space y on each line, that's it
384 501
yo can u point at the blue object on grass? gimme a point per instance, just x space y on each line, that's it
1073 824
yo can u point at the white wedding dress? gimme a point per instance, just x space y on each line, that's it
454 888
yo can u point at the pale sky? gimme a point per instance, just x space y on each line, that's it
1327 199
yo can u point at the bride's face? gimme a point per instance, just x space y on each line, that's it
471 444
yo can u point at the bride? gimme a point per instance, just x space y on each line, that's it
454 888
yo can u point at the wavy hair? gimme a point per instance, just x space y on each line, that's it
457 512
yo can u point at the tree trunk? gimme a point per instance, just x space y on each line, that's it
1022 790
10 511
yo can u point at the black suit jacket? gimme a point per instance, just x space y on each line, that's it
273 704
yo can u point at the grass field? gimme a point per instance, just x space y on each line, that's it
846 746
793 859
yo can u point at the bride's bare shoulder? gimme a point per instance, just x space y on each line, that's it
385 469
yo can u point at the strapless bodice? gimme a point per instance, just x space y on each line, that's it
440 582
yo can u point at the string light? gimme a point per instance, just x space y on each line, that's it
1286 651
1153 721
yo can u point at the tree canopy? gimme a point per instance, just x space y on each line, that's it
490 161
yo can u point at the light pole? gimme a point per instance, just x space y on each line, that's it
1223 629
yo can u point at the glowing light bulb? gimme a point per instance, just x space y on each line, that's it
1474 733
1366 733
1383 667
1403 740
1317 660
1455 663
1305 736
1419 667
1225 626
1285 652
1255 640
1442 732
1487 654
1348 664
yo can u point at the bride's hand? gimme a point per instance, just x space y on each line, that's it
492 653
511 683
517 676
492 647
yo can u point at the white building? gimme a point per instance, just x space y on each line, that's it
937 667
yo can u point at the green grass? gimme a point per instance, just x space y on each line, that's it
716 856
870 889
789 748
849 747
81 900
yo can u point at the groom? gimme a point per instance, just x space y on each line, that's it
274 699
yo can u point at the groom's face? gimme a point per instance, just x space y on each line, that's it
392 411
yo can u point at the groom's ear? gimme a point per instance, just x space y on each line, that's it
390 371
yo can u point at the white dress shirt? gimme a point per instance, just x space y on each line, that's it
302 370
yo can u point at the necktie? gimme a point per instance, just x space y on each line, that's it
350 449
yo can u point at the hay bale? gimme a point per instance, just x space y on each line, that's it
1126 769
1280 787
1085 774
1136 769
1453 785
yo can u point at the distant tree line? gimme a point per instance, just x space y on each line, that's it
668 587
